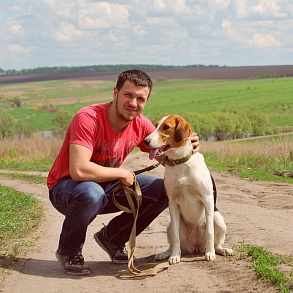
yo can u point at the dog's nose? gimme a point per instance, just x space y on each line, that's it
147 141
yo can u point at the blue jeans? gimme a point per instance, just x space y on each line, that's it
81 202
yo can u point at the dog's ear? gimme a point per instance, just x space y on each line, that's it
182 130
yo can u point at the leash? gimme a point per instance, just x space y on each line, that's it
149 168
134 193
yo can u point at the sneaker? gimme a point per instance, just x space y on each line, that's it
118 254
73 264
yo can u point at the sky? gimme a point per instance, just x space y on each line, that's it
45 33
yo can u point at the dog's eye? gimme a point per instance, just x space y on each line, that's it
166 127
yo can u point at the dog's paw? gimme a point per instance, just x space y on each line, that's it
174 259
224 251
163 255
227 251
210 255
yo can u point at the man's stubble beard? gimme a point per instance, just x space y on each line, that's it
127 119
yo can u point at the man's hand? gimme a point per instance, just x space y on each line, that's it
195 142
127 177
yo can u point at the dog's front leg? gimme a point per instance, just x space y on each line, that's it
173 233
210 247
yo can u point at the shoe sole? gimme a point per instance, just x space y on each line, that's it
82 273
115 261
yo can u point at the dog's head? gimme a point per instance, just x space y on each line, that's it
171 132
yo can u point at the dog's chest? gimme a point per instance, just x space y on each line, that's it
189 203
181 175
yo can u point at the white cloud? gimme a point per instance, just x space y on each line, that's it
260 9
66 32
101 15
265 40
17 30
16 48
85 32
176 6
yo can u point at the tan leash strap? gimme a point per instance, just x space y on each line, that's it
149 269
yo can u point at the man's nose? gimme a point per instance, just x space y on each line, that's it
133 102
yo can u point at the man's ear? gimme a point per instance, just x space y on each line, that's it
115 93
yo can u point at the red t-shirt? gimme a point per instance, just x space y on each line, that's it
91 128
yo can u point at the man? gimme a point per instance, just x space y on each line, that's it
87 169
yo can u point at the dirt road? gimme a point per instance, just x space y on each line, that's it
259 213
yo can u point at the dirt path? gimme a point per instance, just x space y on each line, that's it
258 212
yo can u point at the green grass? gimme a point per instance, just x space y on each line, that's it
242 170
265 264
258 158
272 97
255 175
70 93
38 119
62 89
14 163
36 179
20 215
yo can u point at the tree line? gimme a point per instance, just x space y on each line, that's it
219 126
216 126
96 68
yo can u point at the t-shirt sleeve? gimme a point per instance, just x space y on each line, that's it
83 130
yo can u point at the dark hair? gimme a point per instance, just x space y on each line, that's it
138 77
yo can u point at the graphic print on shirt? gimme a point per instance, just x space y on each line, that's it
111 154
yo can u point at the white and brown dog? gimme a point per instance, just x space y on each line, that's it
196 224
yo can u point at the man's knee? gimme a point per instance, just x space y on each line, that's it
92 196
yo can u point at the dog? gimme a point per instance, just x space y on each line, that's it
196 224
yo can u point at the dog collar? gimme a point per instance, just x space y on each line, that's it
171 162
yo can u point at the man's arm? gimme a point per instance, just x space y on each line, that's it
82 169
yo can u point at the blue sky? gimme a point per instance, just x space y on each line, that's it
36 33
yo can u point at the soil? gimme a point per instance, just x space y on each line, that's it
243 72
259 213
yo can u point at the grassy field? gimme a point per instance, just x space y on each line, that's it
272 97
258 158
265 95
263 158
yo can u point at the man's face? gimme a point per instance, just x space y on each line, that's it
130 100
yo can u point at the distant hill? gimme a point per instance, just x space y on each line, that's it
2 71
208 72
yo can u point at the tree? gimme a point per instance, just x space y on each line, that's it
259 123
225 125
7 125
193 120
61 121
16 100
202 124
23 128
242 126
